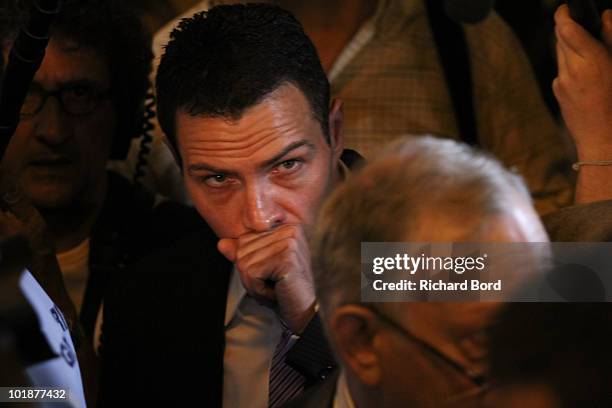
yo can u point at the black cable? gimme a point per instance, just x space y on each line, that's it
146 140
25 58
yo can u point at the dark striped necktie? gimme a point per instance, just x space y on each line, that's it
285 382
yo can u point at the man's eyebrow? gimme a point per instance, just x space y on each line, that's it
192 168
285 151
206 167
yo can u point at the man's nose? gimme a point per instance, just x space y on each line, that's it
52 126
261 213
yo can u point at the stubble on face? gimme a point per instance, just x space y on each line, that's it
273 163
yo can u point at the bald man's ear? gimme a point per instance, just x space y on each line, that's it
336 128
353 330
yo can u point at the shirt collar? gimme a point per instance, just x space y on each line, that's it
342 397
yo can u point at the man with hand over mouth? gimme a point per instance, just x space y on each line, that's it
245 105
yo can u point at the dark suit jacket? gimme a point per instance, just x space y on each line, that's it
163 331
127 228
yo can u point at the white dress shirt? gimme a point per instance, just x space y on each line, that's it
342 397
252 332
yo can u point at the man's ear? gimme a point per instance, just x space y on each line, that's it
353 330
336 128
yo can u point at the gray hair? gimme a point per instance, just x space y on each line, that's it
392 197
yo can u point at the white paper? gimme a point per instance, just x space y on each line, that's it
62 371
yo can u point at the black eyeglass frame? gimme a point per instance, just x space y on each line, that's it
479 381
98 97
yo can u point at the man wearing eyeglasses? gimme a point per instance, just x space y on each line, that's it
83 107
419 354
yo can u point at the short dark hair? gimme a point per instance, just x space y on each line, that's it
221 62
114 31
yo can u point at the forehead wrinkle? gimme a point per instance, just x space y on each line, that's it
221 143
233 151
248 145
227 146
258 119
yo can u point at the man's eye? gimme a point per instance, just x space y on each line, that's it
216 180
79 92
289 166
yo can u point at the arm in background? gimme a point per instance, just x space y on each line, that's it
583 88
